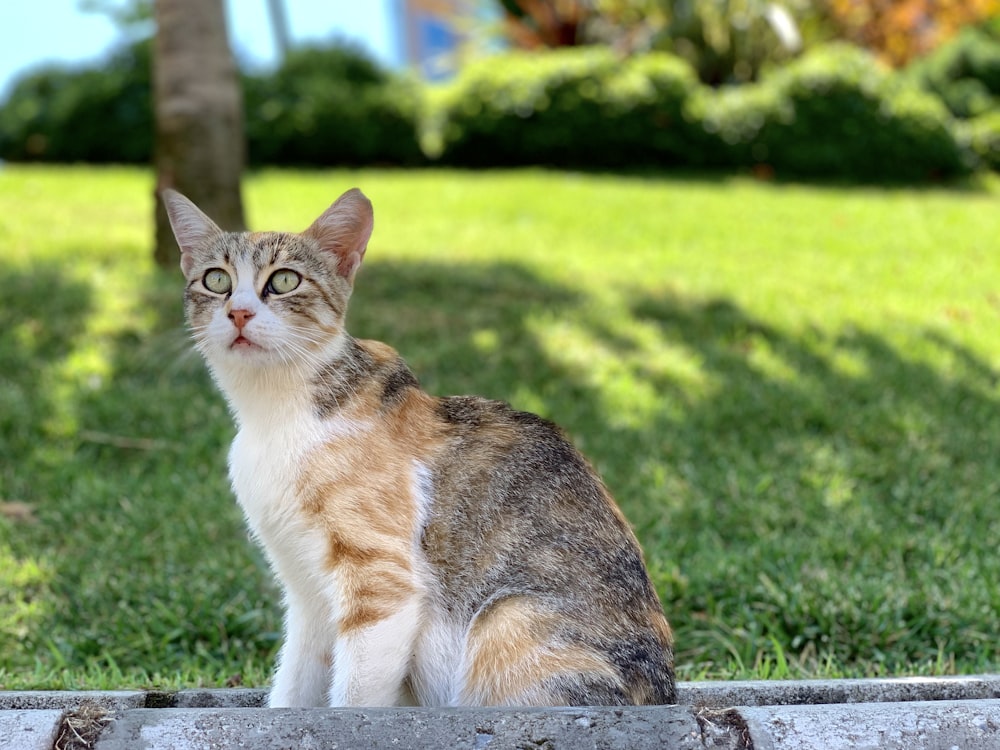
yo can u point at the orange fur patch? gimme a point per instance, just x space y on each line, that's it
512 653
368 509
659 622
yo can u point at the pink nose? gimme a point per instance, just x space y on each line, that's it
240 317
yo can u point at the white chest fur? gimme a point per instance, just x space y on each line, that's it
265 464
281 438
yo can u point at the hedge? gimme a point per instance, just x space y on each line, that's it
570 107
965 72
835 112
331 106
983 136
97 114
832 113
322 107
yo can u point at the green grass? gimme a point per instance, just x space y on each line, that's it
792 391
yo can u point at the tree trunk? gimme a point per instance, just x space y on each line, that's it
199 116
279 24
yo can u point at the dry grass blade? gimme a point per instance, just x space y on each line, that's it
81 728
724 727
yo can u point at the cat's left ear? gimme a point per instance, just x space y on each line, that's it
192 228
344 230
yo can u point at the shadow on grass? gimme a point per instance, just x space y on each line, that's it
41 315
850 489
825 497
824 493
150 568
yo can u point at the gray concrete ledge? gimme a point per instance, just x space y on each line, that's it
946 713
944 725
700 694
478 729
62 700
789 692
29 730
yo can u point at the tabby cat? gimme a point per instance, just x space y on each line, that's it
431 551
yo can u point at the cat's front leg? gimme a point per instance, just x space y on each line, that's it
305 662
373 658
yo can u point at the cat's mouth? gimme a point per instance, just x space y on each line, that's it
242 342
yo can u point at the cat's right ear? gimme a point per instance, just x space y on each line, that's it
192 228
344 230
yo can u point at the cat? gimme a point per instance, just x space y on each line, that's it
431 551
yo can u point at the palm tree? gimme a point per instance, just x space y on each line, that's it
200 147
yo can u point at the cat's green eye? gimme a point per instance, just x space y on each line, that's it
218 281
284 281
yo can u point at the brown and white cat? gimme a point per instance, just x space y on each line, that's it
443 551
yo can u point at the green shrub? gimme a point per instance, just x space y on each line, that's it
964 73
570 107
101 114
835 112
983 134
330 106
323 106
733 118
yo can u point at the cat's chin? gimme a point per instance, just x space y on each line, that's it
247 356
237 353
250 353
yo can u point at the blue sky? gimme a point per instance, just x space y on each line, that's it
33 32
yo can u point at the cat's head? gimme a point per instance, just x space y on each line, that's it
263 299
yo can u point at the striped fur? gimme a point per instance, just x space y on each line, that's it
442 551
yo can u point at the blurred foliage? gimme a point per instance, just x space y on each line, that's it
900 30
965 72
331 105
629 26
983 136
571 107
725 40
733 41
529 24
125 14
98 114
835 112
323 106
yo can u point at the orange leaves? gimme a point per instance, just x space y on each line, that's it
899 30
545 23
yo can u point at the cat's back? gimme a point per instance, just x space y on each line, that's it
521 526
508 485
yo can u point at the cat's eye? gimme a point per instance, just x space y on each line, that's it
284 281
218 281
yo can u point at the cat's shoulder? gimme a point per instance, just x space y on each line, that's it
367 371
392 377
478 412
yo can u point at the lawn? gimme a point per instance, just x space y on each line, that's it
792 390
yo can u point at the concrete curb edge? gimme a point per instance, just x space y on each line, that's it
962 712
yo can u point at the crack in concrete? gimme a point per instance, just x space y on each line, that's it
160 699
